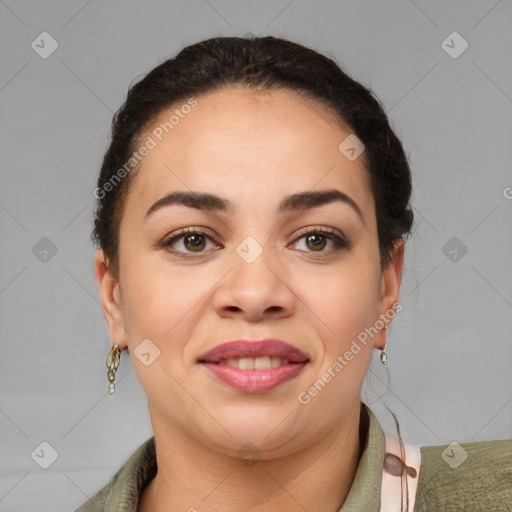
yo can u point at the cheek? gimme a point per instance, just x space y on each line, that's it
154 298
165 306
342 306
342 312
344 303
157 305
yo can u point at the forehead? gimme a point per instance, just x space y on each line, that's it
247 142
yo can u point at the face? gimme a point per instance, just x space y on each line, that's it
254 264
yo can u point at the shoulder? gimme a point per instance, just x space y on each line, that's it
472 476
122 492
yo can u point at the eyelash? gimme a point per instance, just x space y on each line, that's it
339 242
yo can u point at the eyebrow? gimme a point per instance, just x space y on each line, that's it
293 203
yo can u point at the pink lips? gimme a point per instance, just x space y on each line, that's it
254 381
257 348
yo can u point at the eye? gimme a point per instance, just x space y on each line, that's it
193 240
188 240
316 240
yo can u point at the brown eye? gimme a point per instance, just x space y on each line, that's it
316 242
194 242
188 241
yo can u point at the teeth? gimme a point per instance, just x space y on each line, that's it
262 363
275 361
246 363
255 363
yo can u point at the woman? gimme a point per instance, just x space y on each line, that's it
252 211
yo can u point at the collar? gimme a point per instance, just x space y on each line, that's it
365 491
364 495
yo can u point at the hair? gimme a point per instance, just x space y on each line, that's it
260 64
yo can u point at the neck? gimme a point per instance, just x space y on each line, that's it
194 478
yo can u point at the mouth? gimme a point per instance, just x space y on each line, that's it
254 366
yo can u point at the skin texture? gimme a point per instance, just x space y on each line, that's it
253 149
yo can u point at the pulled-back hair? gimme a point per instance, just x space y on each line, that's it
262 64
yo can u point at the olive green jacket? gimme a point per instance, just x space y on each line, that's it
478 482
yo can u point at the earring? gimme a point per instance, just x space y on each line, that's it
112 363
383 355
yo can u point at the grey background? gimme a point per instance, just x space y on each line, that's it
450 349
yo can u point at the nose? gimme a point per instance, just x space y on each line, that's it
255 291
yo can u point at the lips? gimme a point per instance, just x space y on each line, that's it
220 362
243 348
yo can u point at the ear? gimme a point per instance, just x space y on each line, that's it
391 280
110 300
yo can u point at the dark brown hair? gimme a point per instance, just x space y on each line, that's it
260 63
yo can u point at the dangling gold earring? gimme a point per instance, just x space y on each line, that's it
383 355
112 363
